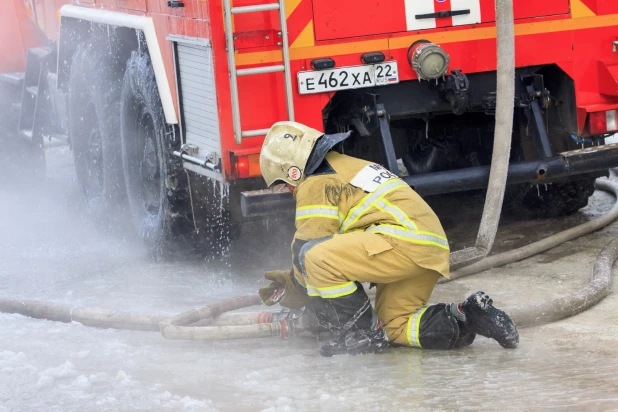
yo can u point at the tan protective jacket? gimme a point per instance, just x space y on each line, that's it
361 195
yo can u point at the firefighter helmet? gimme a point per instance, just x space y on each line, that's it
285 152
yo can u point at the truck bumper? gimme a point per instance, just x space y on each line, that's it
269 203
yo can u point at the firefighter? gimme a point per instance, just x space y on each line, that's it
358 222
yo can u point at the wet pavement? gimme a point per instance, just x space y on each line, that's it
49 250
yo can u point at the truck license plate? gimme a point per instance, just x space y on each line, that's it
352 77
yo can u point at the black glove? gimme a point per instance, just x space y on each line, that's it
282 290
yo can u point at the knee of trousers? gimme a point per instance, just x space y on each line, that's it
312 263
433 327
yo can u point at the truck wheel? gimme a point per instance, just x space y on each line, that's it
156 183
530 201
94 109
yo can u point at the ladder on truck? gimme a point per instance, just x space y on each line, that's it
234 73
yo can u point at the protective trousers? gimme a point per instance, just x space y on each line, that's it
332 266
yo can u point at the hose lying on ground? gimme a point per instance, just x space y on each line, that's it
96 317
208 311
267 324
576 302
229 326
550 242
260 330
177 326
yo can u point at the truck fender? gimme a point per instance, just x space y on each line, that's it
75 21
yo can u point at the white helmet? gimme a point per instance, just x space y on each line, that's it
285 152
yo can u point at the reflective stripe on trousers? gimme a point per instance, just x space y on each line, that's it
331 292
414 325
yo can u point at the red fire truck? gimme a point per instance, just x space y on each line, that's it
165 103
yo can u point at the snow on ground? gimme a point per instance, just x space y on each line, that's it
50 250
70 367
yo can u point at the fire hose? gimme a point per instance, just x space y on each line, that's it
505 101
598 288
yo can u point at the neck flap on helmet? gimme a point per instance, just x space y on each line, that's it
321 148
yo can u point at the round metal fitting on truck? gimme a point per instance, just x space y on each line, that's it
428 60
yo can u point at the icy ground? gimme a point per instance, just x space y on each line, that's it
50 251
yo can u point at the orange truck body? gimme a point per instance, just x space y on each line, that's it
18 25
576 35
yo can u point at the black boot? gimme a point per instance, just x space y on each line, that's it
478 316
355 322
355 342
